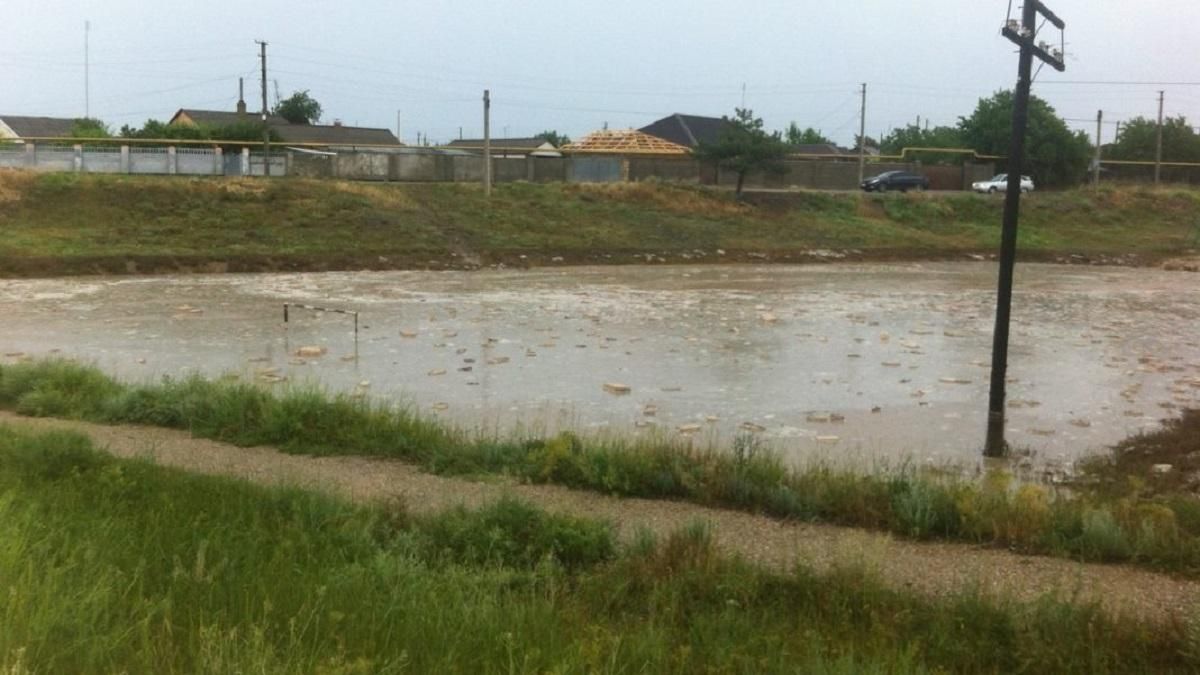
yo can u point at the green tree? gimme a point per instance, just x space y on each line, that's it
554 138
1139 135
87 127
913 136
808 136
299 108
744 146
1054 155
249 130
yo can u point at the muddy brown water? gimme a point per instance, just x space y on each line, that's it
868 362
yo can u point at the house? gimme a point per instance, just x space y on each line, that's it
509 147
624 142
336 135
17 126
220 118
688 130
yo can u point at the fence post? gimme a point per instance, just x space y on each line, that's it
218 161
30 155
172 161
245 161
125 159
78 158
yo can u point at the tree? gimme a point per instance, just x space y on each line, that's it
554 138
87 127
1180 142
809 136
744 146
913 136
1054 155
871 142
299 108
248 130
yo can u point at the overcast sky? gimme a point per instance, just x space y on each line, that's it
574 65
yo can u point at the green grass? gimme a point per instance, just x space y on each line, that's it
1148 529
121 566
68 223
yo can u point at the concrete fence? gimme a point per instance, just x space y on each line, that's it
420 165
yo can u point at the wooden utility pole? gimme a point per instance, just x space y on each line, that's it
1096 164
862 134
266 127
1158 141
487 143
1024 34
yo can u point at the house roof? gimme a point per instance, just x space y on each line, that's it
504 143
334 134
815 149
221 118
688 130
325 134
625 142
39 127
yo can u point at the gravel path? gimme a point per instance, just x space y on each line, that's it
930 568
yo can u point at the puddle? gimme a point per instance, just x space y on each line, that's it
869 361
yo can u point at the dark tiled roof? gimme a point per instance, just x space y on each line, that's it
39 127
687 130
334 134
815 149
221 118
515 143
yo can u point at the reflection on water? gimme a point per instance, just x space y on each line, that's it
865 360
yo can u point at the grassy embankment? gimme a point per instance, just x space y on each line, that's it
1123 522
122 566
73 224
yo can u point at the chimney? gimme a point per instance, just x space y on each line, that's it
241 107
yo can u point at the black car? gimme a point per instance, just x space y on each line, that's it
896 180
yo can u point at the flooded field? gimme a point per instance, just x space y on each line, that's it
858 361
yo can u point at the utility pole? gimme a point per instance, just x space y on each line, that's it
87 89
487 143
1096 165
1023 33
398 125
266 127
862 135
1158 141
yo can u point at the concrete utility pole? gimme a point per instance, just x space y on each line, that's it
398 125
862 135
87 89
487 143
266 127
1096 165
1158 141
1024 35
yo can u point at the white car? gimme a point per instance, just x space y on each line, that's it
999 183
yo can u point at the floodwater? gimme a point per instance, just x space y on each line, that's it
866 361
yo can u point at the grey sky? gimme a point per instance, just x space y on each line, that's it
573 65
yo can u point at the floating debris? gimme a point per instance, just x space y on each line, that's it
311 351
617 388
437 371
953 380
